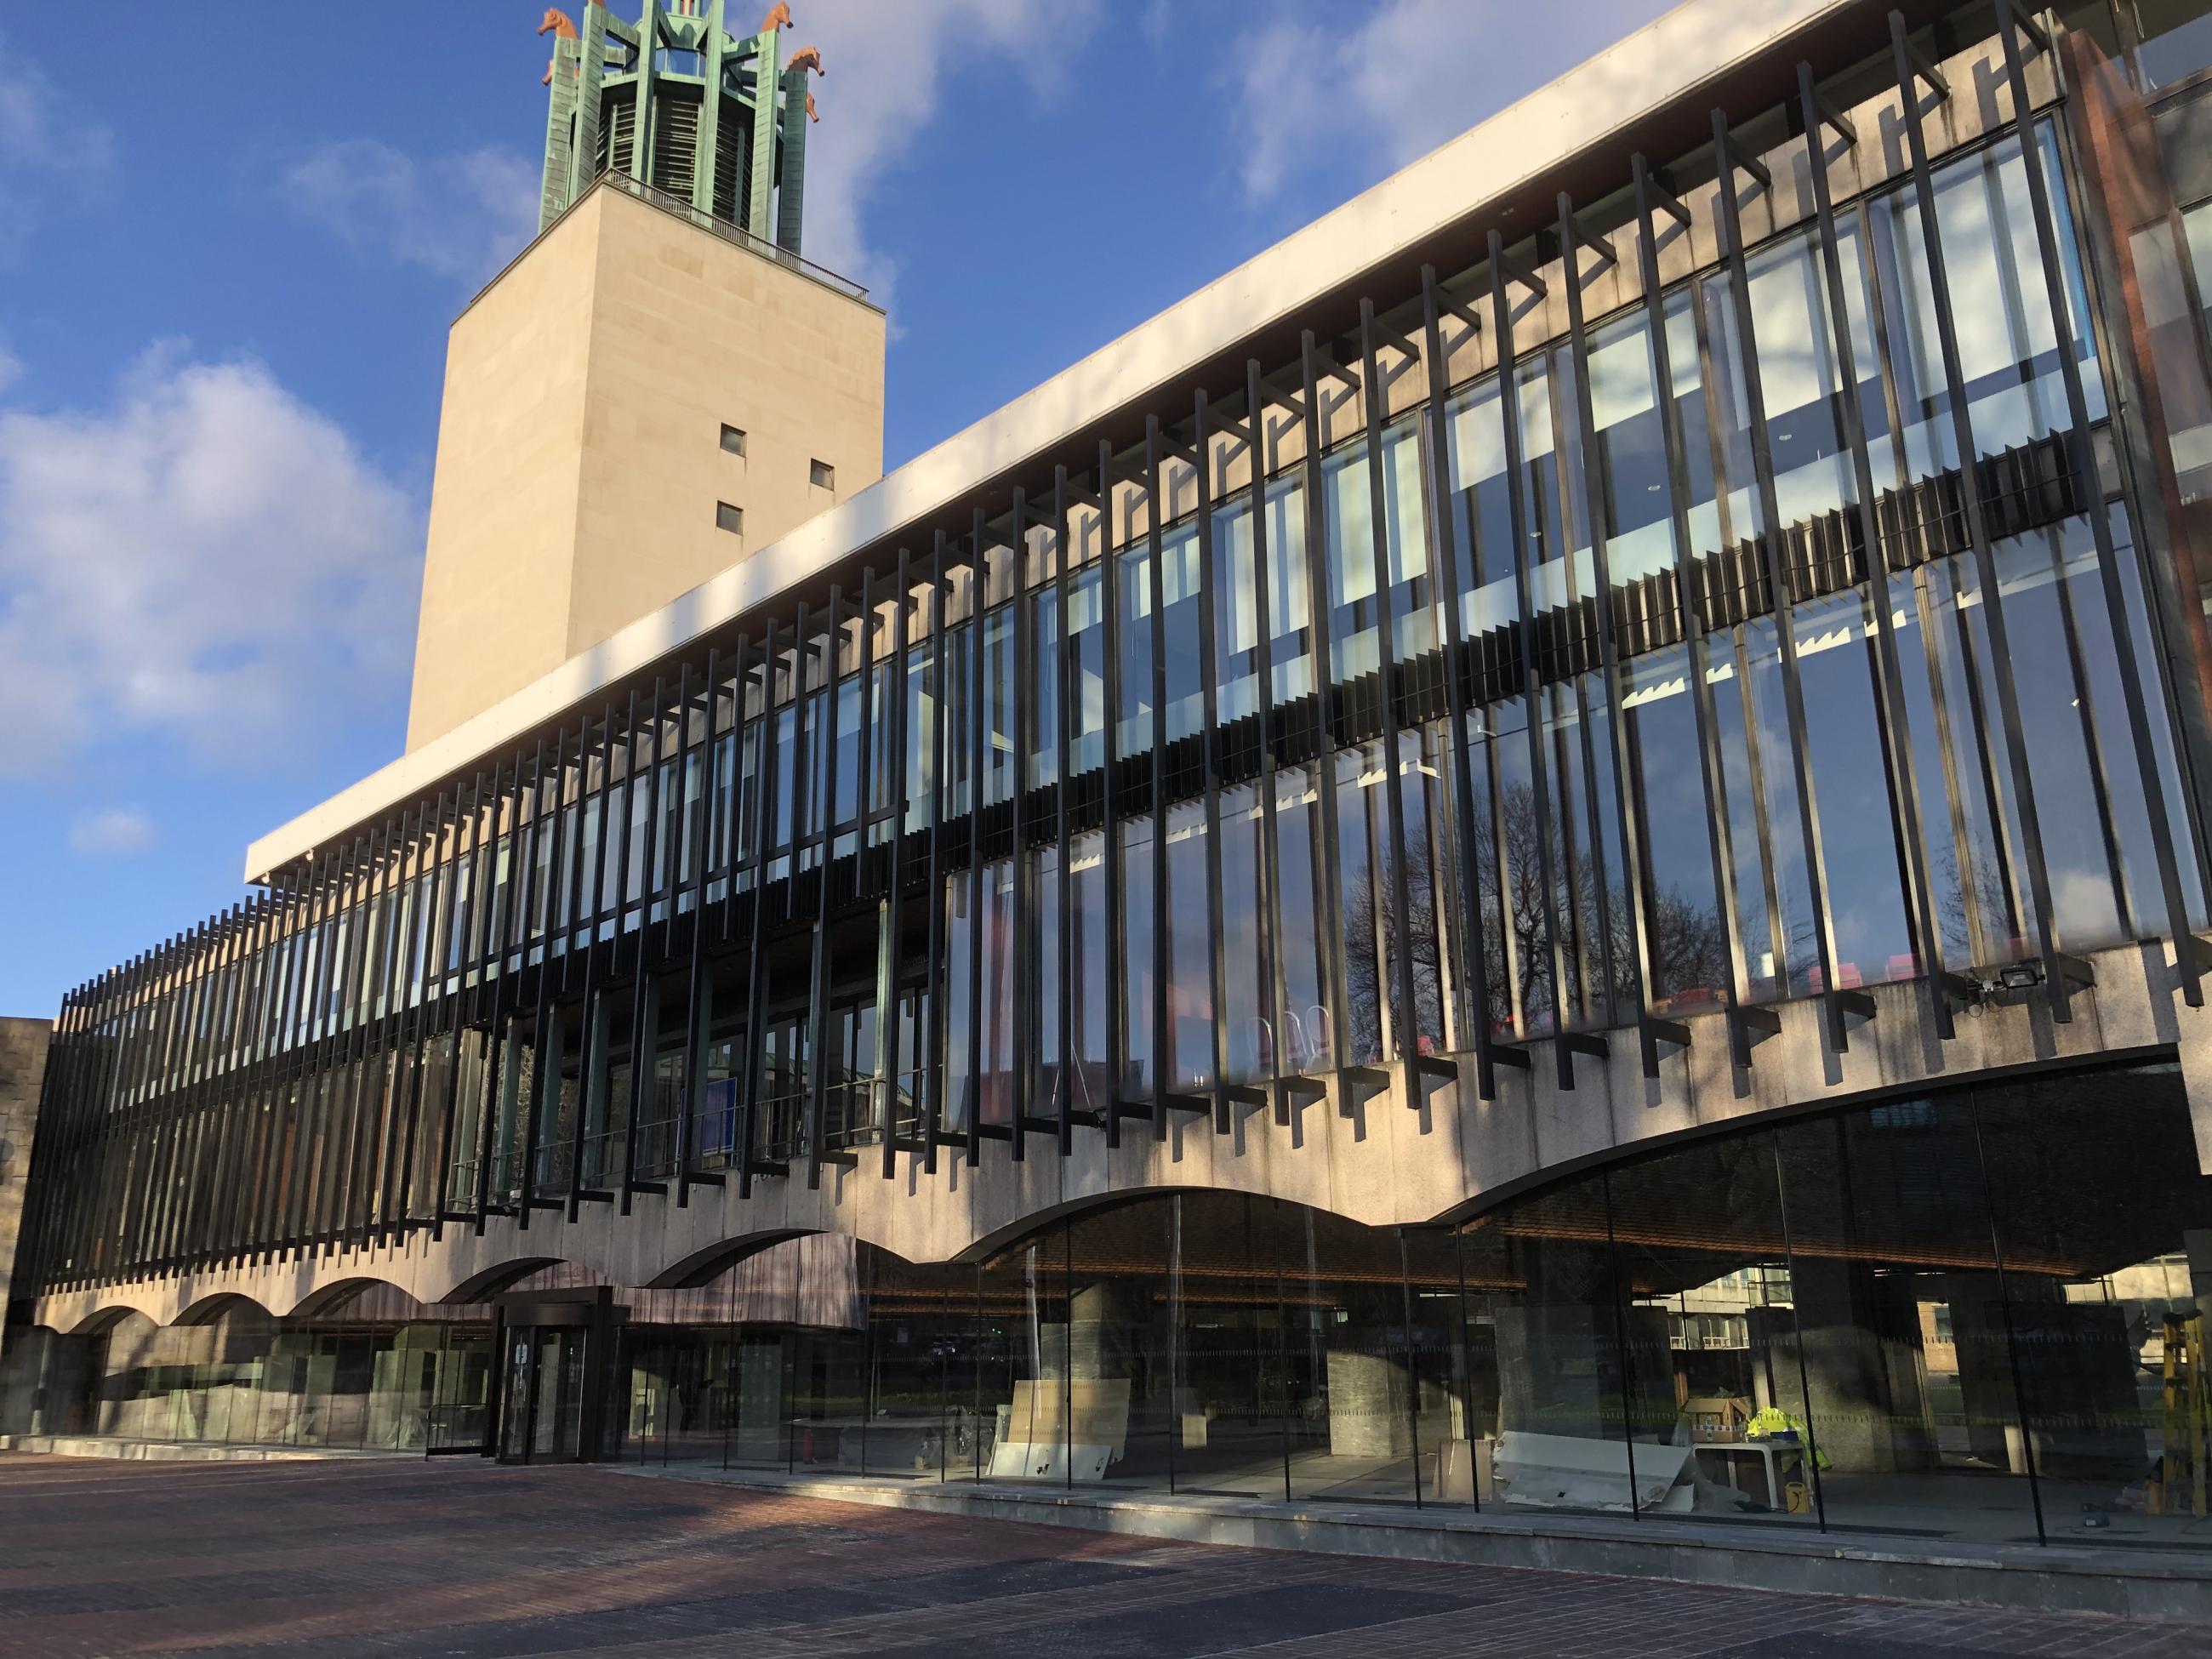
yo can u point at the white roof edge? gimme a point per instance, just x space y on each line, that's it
1655 66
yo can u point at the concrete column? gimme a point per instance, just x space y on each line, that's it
23 1044
2194 1043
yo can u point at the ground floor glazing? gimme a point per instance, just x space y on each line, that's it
1973 1315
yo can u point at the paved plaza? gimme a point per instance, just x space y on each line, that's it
346 1560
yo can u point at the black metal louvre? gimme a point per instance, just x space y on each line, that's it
785 910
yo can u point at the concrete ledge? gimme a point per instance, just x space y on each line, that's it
2129 1583
181 1451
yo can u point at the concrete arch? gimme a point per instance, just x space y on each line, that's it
326 1300
703 1266
1038 1221
206 1309
99 1320
487 1282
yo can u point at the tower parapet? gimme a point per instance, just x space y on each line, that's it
677 101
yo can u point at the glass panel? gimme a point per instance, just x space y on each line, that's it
2102 1211
1138 966
1248 1014
1190 950
1350 1375
922 1331
1022 1410
1690 965
1224 1422
1909 1377
1546 1370
1717 1385
1308 1025
1090 961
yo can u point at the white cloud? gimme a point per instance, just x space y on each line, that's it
1414 74
119 832
460 216
51 153
206 561
886 69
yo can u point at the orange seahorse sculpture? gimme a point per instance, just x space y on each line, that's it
807 58
779 17
555 23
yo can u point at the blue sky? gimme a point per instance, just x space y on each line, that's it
225 285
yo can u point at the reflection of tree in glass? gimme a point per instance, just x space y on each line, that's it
1689 948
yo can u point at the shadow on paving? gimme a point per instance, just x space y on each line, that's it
341 1561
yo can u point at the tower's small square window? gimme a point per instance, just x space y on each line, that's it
821 474
734 439
732 519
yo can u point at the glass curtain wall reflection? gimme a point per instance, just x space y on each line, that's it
1972 1315
970 855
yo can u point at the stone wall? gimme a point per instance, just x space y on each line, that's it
23 1069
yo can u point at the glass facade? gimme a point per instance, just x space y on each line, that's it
1764 592
1973 1315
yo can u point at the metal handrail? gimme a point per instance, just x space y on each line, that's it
728 230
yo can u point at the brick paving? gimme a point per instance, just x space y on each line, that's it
375 1560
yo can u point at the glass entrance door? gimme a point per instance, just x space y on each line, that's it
541 1417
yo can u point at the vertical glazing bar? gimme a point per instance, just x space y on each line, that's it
281 1178
358 1158
1443 563
1020 982
889 1022
755 1039
398 1024
203 1105
372 1098
1891 708
1405 1027
528 987
1650 1032
978 600
301 1065
1162 1045
1648 198
256 1197
335 1159
254 969
1508 410
163 1115
182 994
1324 697
450 999
936 978
2059 973
643 1013
545 1011
499 912
399 1203
163 1120
1109 621
862 1095
1773 547
818 978
1065 682
1263 632
1209 586
678 832
2190 956
698 849
222 1089
593 1049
